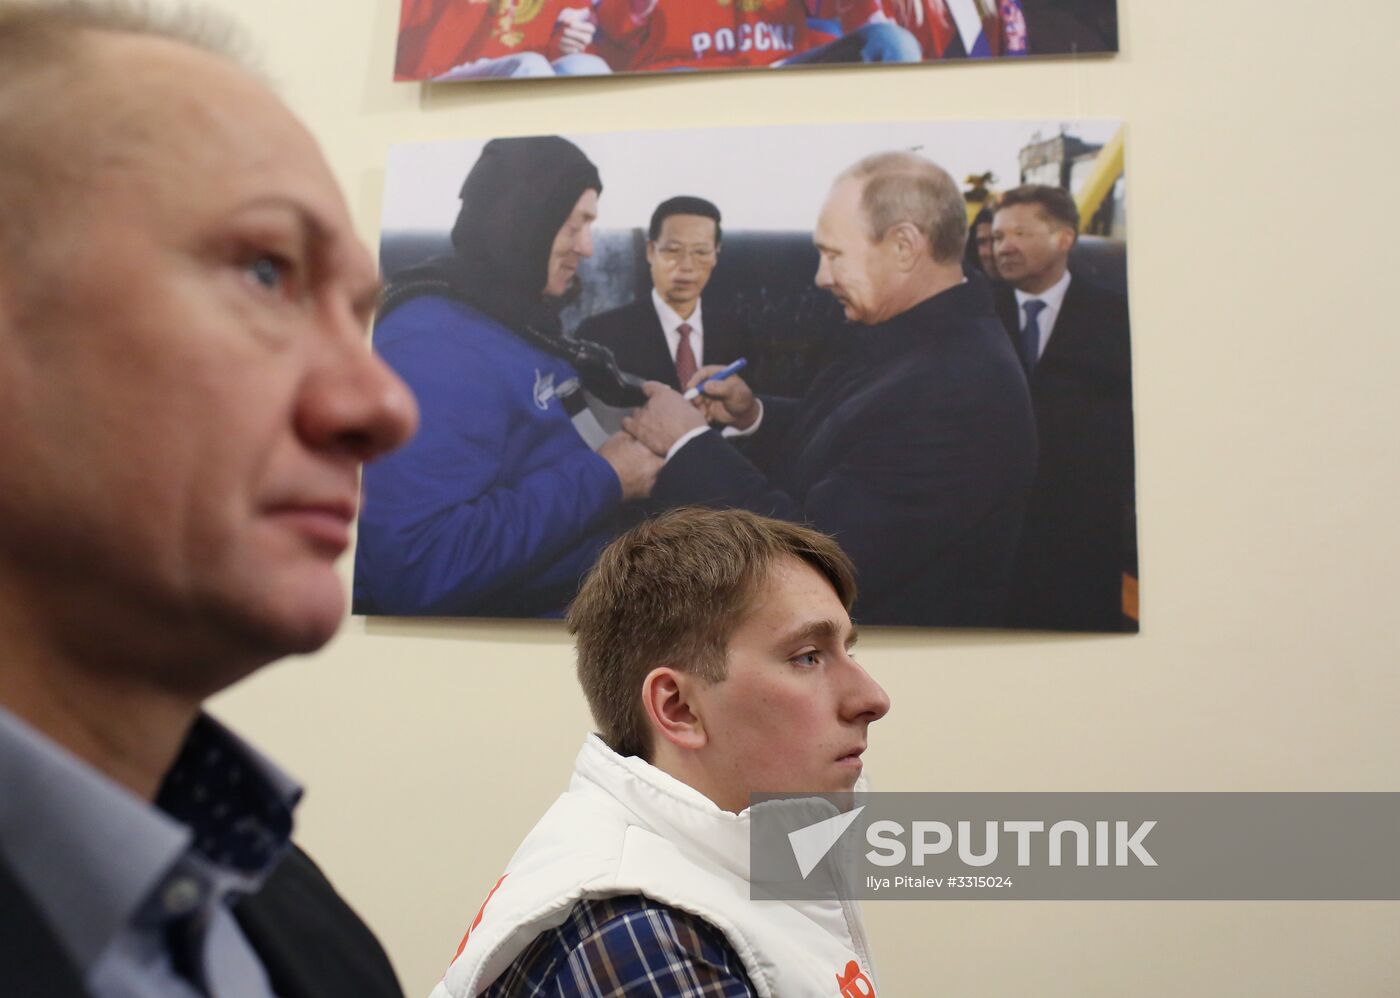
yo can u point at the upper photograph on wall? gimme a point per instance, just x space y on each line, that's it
449 40
933 328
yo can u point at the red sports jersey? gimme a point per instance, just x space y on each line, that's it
928 21
851 14
703 34
435 35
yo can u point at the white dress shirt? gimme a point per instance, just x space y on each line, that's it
670 325
1054 297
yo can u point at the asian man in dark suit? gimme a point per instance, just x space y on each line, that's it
186 398
670 334
1073 340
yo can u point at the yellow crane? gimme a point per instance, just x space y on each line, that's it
1108 167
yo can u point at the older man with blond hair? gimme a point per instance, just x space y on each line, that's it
186 397
916 447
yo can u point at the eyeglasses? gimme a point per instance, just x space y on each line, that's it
674 253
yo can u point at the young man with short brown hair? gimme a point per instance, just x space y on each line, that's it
714 647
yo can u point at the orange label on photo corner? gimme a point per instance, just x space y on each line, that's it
854 984
481 911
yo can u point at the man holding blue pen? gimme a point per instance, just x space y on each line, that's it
915 448
707 381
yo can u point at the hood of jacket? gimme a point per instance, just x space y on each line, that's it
515 200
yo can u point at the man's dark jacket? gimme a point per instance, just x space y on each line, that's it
1078 539
634 334
915 449
310 942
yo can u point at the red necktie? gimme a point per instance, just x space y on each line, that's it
685 357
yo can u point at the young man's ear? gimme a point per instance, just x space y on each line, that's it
666 697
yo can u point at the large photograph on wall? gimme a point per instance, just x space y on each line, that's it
450 40
931 327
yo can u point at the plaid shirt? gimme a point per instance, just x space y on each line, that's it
626 947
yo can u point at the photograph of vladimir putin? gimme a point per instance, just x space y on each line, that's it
915 447
890 407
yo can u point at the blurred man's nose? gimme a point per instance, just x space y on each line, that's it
353 402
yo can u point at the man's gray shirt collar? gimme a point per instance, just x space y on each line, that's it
109 870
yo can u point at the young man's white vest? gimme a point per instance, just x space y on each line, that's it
625 827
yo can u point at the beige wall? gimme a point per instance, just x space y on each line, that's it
1265 344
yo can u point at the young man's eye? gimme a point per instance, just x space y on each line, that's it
807 658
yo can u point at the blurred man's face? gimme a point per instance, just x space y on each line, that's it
1032 248
187 401
859 273
682 259
793 710
986 254
572 245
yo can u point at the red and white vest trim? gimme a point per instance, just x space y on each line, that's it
625 827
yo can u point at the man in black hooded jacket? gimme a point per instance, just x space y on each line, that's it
499 506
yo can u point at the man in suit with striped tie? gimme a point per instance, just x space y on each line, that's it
1072 337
